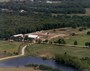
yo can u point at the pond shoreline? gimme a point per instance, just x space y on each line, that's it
22 61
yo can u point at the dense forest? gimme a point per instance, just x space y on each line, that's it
16 23
38 16
65 7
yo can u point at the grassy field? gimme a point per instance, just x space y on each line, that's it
81 39
49 50
9 47
81 36
18 69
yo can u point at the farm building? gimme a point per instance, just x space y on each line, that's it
25 37
33 36
18 35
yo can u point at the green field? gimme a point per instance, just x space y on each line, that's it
81 36
49 50
9 47
81 39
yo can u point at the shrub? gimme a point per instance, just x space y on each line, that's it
43 67
73 34
87 44
88 33
81 29
60 41
75 42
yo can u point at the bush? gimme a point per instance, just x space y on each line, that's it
88 33
43 67
60 41
75 42
73 34
81 29
87 44
45 41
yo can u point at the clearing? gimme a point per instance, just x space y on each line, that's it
80 36
48 50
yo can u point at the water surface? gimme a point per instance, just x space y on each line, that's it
22 61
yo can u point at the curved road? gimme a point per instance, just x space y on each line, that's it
22 53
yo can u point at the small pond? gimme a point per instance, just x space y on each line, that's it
22 61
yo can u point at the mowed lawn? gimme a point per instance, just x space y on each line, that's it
50 50
9 46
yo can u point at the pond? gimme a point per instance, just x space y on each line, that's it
22 61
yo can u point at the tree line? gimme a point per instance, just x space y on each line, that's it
11 24
63 8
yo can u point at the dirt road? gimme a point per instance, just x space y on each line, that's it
22 54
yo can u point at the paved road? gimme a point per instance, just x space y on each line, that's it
22 53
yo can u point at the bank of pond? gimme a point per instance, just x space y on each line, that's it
42 67
81 64
62 62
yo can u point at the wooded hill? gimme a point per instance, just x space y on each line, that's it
37 16
64 7
11 24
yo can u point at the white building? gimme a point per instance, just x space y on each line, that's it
50 2
22 11
18 35
33 36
